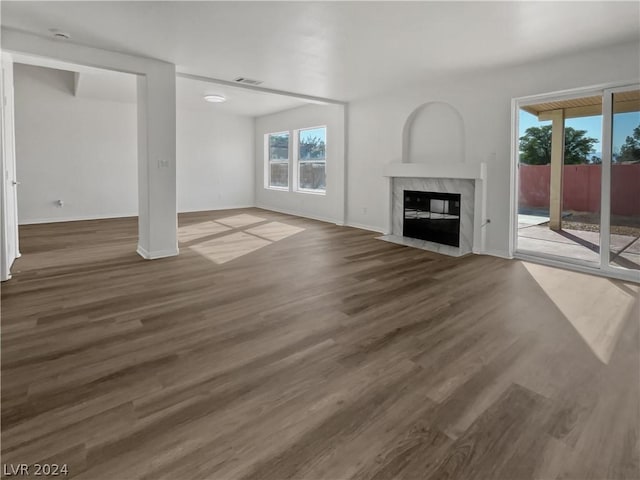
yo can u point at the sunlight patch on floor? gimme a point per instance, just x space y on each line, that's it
239 221
274 231
228 247
232 245
596 306
195 231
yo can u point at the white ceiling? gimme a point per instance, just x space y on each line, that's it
121 87
339 50
190 93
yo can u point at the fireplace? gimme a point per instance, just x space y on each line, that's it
432 216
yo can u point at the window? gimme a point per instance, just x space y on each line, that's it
312 172
278 164
309 173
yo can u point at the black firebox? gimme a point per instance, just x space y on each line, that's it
432 216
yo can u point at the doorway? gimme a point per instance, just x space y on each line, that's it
577 171
76 160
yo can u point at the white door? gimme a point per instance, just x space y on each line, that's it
9 250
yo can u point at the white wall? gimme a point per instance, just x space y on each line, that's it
484 99
78 150
84 151
215 160
328 207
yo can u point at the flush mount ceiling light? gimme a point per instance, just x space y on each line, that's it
59 34
215 98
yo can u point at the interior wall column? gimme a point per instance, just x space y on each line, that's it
557 163
157 221
157 205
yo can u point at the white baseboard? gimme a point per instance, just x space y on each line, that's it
495 253
626 276
365 227
79 218
155 255
76 218
298 214
229 207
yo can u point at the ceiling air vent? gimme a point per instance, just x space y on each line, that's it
247 81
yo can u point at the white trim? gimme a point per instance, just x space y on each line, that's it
362 226
293 162
495 253
388 230
298 214
559 258
514 188
155 255
480 220
265 160
342 192
605 178
9 241
308 191
627 276
80 218
214 209
460 170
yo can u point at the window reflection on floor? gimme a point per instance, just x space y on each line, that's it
239 221
224 240
275 231
195 231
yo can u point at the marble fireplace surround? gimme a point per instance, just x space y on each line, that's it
467 180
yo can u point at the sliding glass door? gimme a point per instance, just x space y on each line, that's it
578 180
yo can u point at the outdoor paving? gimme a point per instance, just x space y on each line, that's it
528 220
576 244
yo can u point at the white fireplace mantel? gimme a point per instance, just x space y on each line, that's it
476 171
442 171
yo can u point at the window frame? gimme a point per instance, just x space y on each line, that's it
269 161
298 162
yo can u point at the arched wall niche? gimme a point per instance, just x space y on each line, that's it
434 132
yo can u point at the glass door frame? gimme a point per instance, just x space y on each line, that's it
603 267
605 187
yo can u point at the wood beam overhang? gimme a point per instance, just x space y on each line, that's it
584 107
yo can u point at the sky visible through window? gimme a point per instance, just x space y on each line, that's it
624 123
306 135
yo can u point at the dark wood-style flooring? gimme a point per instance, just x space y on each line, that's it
277 347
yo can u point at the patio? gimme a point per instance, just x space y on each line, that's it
534 235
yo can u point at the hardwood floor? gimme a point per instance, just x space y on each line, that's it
277 347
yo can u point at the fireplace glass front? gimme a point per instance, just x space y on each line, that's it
432 216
